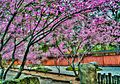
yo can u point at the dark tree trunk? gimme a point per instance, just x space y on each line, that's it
2 68
6 71
23 63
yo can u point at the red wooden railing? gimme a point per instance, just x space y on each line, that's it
101 60
112 60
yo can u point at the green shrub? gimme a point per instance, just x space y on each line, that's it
69 68
42 68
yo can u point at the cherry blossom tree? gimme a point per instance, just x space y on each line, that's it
85 30
25 23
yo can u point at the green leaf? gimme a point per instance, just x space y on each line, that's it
71 69
45 48
118 3
21 10
74 50
40 0
57 42
43 69
7 4
31 4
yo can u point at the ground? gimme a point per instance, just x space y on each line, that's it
53 76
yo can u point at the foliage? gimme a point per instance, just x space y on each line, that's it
42 69
69 68
24 24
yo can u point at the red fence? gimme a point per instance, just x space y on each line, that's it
101 60
113 60
104 60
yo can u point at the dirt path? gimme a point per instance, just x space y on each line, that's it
52 76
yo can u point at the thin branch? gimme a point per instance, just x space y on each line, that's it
6 30
45 27
50 30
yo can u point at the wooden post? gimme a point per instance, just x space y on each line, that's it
109 78
104 79
113 80
118 79
99 78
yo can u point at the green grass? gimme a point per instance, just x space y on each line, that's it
69 68
42 68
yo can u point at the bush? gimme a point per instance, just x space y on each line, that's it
41 68
69 68
26 80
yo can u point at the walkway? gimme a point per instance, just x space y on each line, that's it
52 76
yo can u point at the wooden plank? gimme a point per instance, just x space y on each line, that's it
109 78
104 78
115 78
99 78
118 79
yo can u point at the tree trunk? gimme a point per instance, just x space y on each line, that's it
2 68
73 67
6 71
2 72
23 63
11 64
